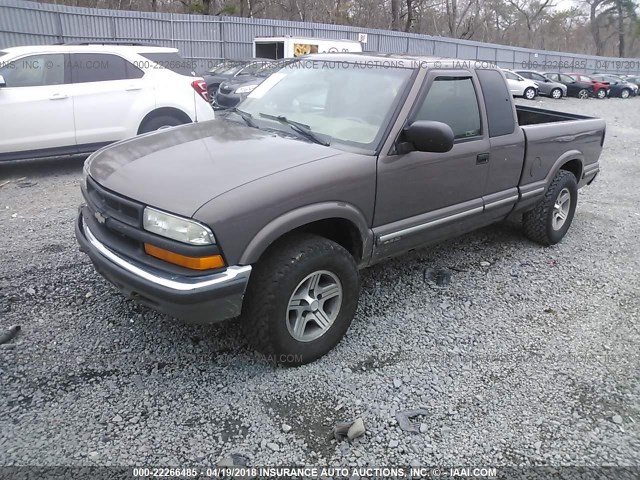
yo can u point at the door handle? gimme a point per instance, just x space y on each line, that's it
58 96
482 158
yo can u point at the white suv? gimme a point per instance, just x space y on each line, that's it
71 99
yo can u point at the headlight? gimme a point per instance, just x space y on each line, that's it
85 171
177 228
246 89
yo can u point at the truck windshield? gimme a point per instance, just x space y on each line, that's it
342 102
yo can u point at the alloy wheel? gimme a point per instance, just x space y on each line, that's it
314 306
561 209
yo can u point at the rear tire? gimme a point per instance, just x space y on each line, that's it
550 219
301 299
530 93
556 93
159 122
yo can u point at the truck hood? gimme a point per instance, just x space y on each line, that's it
181 168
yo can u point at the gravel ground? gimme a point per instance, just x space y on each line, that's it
529 356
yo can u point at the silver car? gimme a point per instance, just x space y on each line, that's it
546 86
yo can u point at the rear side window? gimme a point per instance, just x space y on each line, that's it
452 100
101 67
34 71
498 102
171 61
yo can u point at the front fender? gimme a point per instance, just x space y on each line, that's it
303 216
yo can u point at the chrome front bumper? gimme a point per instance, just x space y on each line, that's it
203 299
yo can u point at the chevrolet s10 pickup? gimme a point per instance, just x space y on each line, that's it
332 164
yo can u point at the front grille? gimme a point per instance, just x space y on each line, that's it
111 205
116 222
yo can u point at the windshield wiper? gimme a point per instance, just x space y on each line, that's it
246 116
301 128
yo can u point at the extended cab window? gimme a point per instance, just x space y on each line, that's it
101 67
498 102
453 101
34 71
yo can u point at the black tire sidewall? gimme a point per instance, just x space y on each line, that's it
569 182
284 343
154 123
274 280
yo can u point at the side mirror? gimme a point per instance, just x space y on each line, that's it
429 136
546 80
2 82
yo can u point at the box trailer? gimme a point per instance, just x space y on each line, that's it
287 47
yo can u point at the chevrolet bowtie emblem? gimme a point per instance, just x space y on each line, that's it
99 217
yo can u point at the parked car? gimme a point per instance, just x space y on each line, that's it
575 88
600 89
270 212
635 79
226 71
546 87
73 99
233 91
520 86
618 87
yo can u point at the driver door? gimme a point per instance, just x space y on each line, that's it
423 197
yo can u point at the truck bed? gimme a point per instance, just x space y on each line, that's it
553 138
534 116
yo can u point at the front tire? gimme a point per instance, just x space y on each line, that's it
602 93
530 93
550 219
625 93
556 93
301 299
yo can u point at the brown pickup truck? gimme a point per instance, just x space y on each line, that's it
332 164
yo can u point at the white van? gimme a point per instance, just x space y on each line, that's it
276 48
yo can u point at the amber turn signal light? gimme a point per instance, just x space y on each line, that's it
194 263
